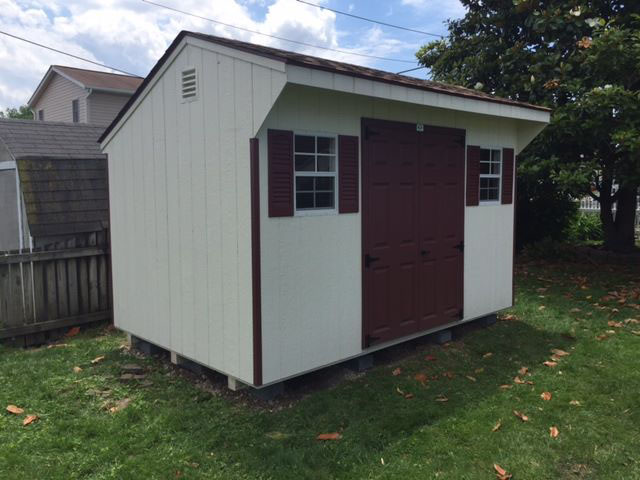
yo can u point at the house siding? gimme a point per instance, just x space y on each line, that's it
181 211
102 108
56 100
311 265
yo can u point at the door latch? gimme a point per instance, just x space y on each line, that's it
368 260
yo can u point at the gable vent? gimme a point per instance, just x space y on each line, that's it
189 84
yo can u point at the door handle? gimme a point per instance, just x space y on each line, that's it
368 260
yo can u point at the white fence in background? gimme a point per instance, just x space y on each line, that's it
588 204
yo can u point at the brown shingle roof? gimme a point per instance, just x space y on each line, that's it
101 80
320 64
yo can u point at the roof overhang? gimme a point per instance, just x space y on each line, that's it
319 76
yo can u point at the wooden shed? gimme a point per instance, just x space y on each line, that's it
274 213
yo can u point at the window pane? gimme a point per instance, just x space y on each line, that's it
485 155
485 167
324 183
305 144
305 163
495 156
489 182
326 145
304 200
326 164
324 200
304 184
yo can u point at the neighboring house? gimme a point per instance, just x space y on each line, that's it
69 94
273 213
53 183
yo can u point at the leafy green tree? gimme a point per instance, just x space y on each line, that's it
23 112
581 58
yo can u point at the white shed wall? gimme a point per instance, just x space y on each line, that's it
180 209
56 101
311 265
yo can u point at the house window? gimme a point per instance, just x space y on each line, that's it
75 110
315 167
41 115
490 174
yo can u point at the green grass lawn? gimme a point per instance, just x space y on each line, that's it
183 427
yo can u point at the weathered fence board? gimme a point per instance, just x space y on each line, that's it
50 289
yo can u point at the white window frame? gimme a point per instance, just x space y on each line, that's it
492 175
334 175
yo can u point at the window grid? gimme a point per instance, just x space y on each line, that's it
315 194
490 175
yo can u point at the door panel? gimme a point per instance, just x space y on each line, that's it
413 220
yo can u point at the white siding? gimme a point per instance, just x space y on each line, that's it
56 100
103 107
180 210
311 266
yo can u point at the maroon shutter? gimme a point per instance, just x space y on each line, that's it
473 175
507 175
348 178
280 156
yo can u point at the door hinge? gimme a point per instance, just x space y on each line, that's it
369 339
368 260
460 246
369 133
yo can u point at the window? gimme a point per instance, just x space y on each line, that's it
75 111
40 115
189 85
315 172
490 171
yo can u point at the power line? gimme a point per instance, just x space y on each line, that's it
277 37
67 54
370 19
410 70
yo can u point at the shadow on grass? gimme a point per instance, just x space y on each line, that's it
277 440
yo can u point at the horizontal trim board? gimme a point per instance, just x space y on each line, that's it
53 255
58 323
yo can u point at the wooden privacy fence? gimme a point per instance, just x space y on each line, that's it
50 289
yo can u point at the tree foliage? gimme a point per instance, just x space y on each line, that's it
582 59
22 112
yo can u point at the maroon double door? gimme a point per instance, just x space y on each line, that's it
412 228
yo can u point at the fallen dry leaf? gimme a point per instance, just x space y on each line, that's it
541 307
449 375
550 364
509 317
473 379
77 369
575 403
554 432
559 353
575 310
97 359
505 387
487 355
523 371
430 358
421 377
399 392
73 332
501 473
546 396
635 332
602 336
329 436
613 323
631 320
518 380
396 372
15 410
441 398
497 426
521 416
120 405
409 396
29 419
479 370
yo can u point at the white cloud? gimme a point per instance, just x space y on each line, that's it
132 35
444 8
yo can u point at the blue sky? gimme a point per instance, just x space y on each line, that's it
132 35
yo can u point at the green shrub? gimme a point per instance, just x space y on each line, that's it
585 227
